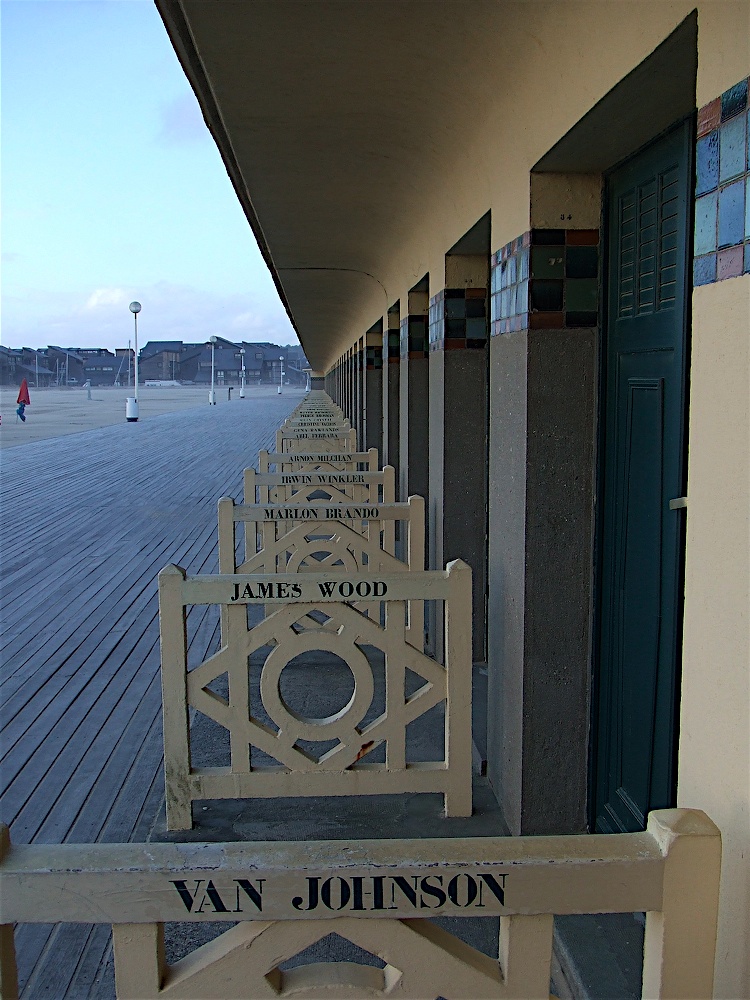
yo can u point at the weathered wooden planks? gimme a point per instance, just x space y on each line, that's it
87 522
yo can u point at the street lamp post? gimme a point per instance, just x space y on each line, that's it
281 372
212 394
242 382
131 403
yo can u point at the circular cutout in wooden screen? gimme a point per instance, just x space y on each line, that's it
342 724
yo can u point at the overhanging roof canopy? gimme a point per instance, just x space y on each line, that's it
365 137
336 121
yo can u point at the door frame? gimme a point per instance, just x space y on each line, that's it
690 124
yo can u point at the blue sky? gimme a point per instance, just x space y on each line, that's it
113 190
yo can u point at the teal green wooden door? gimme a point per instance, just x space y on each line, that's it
641 470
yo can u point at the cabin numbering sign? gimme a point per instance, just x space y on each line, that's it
395 894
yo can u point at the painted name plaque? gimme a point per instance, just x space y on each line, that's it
320 514
322 479
310 589
322 510
324 456
396 894
131 883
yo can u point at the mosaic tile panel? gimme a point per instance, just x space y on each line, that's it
373 357
392 345
458 319
546 279
722 188
414 337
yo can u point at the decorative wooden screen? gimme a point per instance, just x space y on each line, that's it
377 895
331 544
316 461
291 631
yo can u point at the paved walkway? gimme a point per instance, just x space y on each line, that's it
87 521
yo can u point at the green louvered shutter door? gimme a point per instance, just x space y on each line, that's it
640 538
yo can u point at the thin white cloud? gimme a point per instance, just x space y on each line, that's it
105 297
170 312
252 320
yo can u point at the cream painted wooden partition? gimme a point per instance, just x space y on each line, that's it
339 486
312 461
344 631
319 440
375 894
326 542
268 523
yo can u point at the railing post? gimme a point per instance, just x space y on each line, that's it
458 665
525 949
173 639
8 968
680 943
139 960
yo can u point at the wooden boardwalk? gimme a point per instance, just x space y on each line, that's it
87 521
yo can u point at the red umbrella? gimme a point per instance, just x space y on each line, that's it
23 393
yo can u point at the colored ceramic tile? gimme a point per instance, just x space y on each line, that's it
581 295
512 270
705 223
504 303
746 266
707 164
547 321
547 262
523 265
582 237
548 237
704 270
729 263
731 214
733 148
455 308
476 307
546 295
522 297
581 262
579 318
476 293
734 100
476 329
709 116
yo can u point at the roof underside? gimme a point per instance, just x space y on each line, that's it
351 129
335 126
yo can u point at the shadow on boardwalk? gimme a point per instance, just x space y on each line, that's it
87 522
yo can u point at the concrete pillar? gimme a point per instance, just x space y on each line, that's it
458 374
391 390
542 410
413 394
373 395
348 384
359 389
